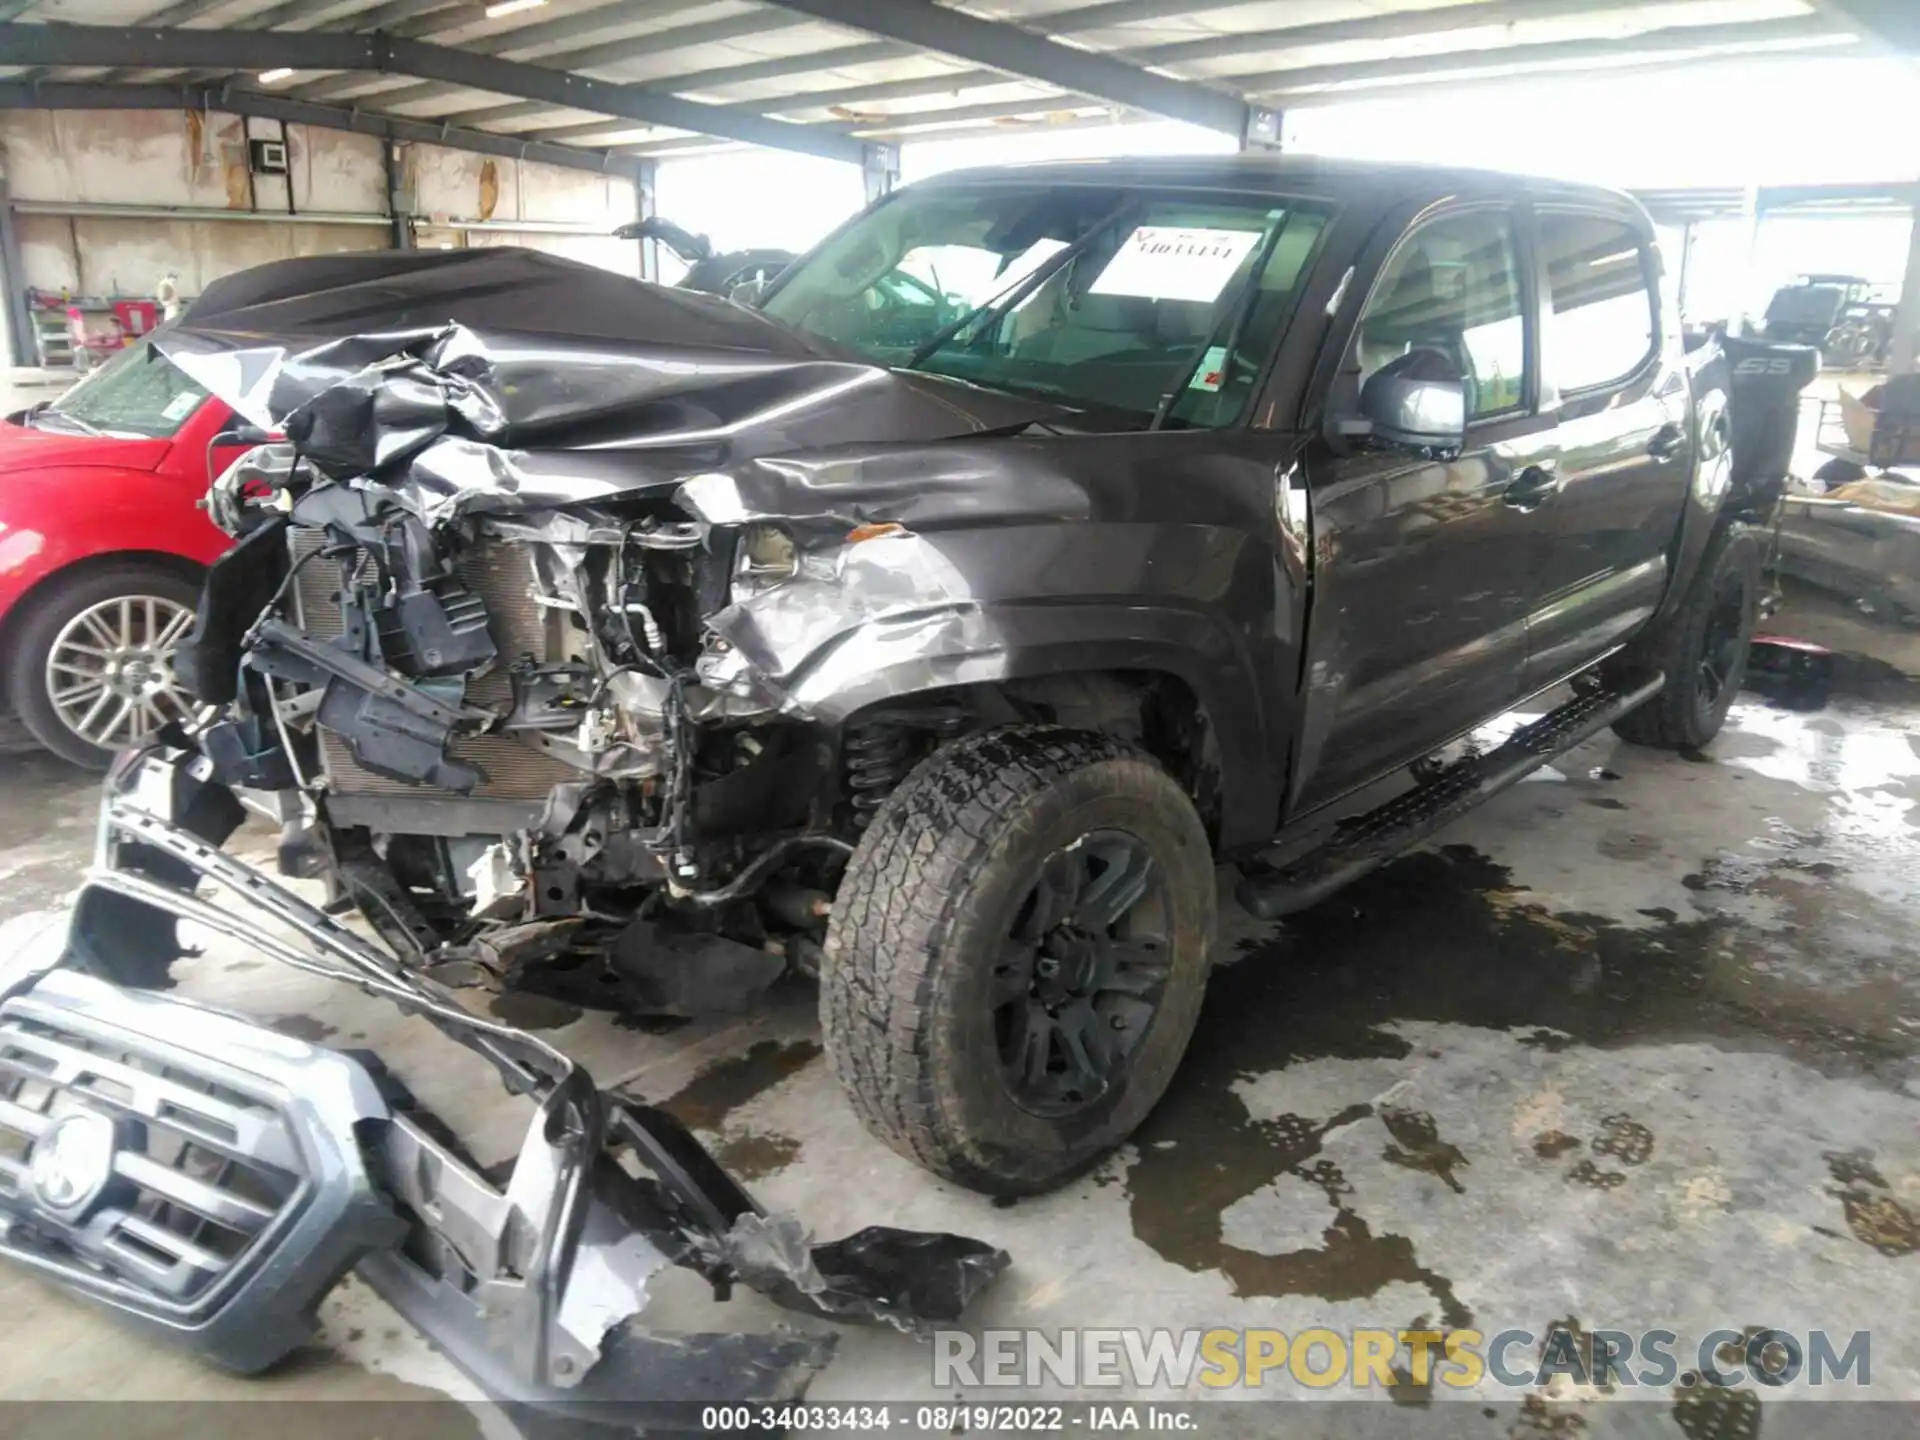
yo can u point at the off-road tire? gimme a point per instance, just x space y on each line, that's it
1680 717
923 908
47 614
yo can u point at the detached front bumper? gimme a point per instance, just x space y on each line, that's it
211 1180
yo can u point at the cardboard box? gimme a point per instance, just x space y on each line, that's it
1883 439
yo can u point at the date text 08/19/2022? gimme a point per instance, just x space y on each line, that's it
947 1418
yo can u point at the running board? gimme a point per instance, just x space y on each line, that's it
1369 840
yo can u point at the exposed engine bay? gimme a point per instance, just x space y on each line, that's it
578 704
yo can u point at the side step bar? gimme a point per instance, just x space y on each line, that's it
1367 841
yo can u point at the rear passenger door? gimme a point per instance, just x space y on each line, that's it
1621 399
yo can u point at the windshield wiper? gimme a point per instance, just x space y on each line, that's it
1030 282
85 427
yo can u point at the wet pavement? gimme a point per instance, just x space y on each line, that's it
1633 1046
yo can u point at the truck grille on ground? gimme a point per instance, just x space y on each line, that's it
200 1171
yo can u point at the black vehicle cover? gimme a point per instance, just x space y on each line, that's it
371 362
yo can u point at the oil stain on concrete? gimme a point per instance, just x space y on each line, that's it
1418 1146
530 1010
302 1027
1872 1212
755 1154
705 1101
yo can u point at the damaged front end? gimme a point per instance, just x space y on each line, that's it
551 655
212 1179
532 685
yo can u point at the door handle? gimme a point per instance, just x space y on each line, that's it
1533 486
1666 442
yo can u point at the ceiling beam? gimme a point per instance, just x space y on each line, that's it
365 14
16 96
1061 22
258 50
1894 24
1676 40
1094 17
588 57
1033 56
1398 25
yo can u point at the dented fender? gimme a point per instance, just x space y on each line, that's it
988 564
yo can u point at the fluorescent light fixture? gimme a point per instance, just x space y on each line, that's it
267 77
1613 259
508 7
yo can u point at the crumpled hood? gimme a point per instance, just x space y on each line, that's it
505 378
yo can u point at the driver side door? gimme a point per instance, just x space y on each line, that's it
1425 568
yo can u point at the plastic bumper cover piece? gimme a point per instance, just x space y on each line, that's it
212 1179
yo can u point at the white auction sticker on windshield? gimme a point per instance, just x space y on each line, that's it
1172 262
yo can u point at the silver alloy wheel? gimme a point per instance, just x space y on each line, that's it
110 670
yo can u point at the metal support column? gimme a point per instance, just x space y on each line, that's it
1752 211
1904 358
881 169
399 208
645 206
21 344
1686 270
1262 128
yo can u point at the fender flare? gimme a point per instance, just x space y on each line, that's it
887 658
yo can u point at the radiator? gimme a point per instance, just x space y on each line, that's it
499 574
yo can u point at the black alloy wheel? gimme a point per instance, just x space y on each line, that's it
1081 975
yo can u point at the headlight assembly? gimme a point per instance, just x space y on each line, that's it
768 556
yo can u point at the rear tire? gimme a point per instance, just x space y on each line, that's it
960 1039
1701 648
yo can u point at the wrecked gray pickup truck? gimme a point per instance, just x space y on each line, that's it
1044 538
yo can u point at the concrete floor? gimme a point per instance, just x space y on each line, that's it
1634 1044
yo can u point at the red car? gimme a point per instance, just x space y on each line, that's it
102 548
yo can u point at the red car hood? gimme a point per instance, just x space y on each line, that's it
24 448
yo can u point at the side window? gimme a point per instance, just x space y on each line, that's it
1602 327
1454 286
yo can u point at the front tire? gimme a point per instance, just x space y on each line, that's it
91 669
1701 648
1017 955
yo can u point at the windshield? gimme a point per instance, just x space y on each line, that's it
1157 305
138 394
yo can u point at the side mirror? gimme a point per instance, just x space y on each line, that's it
239 432
1416 402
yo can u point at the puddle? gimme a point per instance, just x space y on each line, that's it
1443 936
530 1011
302 1027
1551 1144
752 1155
1874 1216
1418 1146
705 1101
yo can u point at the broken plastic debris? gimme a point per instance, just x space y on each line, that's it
906 1278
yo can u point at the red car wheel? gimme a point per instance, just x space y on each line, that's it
92 664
